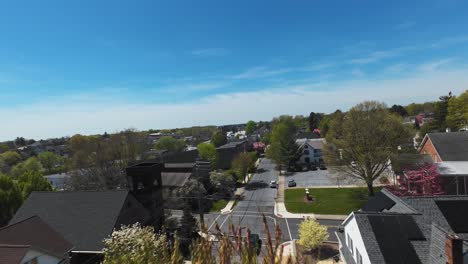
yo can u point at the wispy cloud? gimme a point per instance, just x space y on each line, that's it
450 41
405 25
57 116
395 68
211 52
317 67
374 57
260 72
357 73
435 65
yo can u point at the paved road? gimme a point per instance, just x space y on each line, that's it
259 199
258 196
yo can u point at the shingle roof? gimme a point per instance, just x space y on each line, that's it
409 223
233 144
83 218
316 143
451 146
35 232
378 203
390 247
12 254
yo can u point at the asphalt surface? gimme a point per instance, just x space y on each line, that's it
259 199
320 178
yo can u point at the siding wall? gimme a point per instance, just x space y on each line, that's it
429 149
352 230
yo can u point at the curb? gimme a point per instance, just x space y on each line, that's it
314 216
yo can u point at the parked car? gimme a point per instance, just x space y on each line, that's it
273 184
322 166
291 183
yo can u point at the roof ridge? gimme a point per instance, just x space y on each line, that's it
385 213
15 246
398 199
8 226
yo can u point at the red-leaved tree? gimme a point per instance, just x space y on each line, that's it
418 182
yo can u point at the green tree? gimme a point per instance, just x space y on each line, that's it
49 160
32 181
457 116
222 182
365 140
266 138
135 244
218 138
399 110
20 141
283 148
250 127
31 164
3 147
10 157
99 163
10 197
170 144
312 234
314 120
243 163
207 151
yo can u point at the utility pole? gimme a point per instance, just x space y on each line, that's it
200 209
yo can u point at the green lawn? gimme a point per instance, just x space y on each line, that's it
338 201
218 205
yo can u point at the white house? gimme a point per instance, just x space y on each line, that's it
351 244
311 150
419 230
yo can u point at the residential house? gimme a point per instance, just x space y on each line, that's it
58 180
311 150
25 254
391 229
228 152
34 239
449 151
83 218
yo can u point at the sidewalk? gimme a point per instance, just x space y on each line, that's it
280 211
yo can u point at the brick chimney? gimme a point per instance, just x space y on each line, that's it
454 249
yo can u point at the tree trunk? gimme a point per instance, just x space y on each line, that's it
370 189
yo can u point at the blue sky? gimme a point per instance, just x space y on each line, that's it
93 66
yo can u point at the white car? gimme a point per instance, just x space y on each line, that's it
273 184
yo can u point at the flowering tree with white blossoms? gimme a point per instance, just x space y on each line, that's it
135 244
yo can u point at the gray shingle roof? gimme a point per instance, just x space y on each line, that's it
434 217
83 218
391 247
451 146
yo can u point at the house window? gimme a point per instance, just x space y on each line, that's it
306 152
350 244
305 146
358 257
